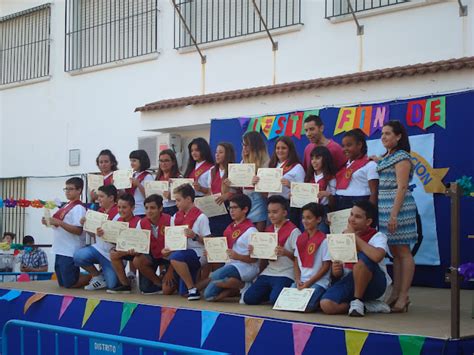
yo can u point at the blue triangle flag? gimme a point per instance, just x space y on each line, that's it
11 295
208 319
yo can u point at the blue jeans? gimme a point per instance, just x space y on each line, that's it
266 288
66 272
313 303
221 274
343 290
258 212
88 256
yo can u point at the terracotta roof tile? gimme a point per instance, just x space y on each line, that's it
379 74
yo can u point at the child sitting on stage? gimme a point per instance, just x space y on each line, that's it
312 260
185 264
279 273
367 280
229 279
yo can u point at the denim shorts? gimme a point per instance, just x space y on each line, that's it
67 272
258 212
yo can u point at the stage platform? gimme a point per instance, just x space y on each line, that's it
425 327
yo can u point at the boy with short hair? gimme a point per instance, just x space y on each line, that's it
365 281
33 259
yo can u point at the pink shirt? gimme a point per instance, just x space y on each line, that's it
335 149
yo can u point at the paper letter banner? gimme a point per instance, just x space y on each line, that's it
267 124
244 123
252 328
435 112
91 304
355 341
11 295
127 311
35 298
254 125
66 302
167 315
345 120
411 345
430 178
380 115
301 334
208 319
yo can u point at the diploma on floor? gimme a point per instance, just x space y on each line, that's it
292 299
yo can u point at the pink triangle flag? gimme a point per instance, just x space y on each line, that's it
67 300
301 335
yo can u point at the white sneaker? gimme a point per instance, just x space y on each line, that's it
356 308
377 306
243 290
96 283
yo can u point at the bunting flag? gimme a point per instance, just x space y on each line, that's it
167 315
208 319
11 295
355 340
127 311
252 328
91 305
23 278
411 344
66 302
35 298
301 334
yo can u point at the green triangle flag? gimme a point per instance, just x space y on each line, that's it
411 345
127 311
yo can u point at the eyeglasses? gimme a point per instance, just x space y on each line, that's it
69 189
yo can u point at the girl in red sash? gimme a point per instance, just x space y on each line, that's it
358 179
168 169
312 259
199 164
285 157
139 162
107 164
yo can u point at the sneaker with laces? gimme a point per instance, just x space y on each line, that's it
155 290
356 308
120 289
193 294
96 283
377 306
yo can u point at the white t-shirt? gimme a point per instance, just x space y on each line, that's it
139 198
102 246
247 271
202 179
331 188
201 228
322 254
359 184
296 174
65 243
283 266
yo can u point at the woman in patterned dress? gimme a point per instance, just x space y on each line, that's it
397 210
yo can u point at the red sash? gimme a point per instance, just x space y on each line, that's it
180 219
216 181
283 233
308 246
196 173
343 176
113 211
233 231
286 168
369 233
108 180
157 242
140 179
63 211
323 183
133 221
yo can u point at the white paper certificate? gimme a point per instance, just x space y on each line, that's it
303 193
156 187
241 175
342 247
270 180
94 220
136 239
122 179
112 230
292 299
178 182
338 220
216 248
47 217
175 239
94 181
264 245
209 206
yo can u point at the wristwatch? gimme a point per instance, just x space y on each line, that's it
195 238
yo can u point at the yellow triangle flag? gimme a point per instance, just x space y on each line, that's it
35 298
252 328
91 304
355 340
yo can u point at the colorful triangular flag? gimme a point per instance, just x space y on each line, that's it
167 315
91 304
127 311
252 328
66 302
355 340
410 344
301 334
35 298
208 319
11 295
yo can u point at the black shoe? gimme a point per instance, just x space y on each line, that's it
194 295
120 289
156 290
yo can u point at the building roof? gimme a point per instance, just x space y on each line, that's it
367 76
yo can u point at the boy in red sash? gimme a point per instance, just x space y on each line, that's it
125 205
69 236
312 260
365 281
185 264
279 273
99 252
229 279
